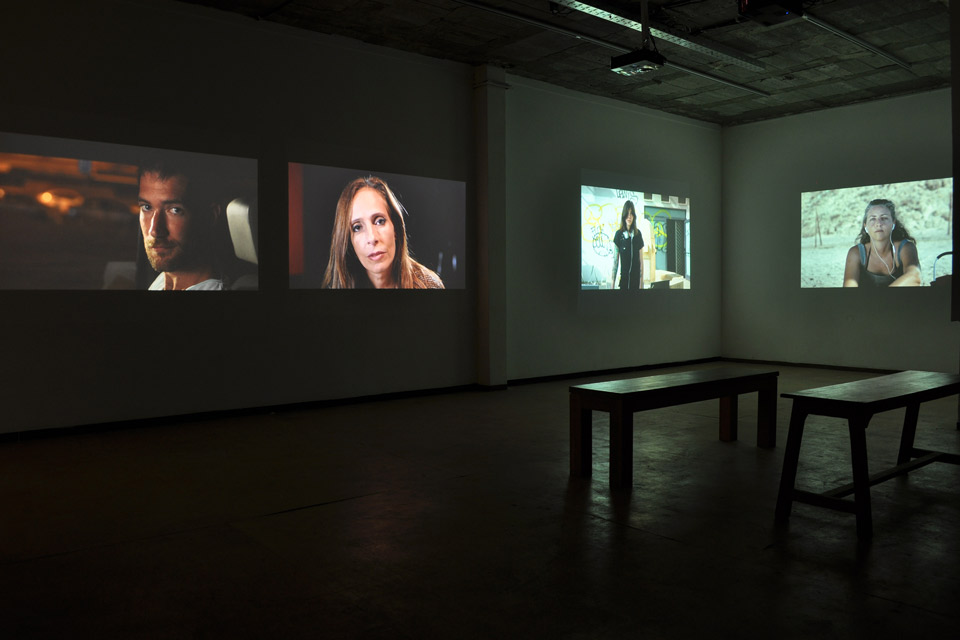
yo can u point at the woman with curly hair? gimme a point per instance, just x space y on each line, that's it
885 254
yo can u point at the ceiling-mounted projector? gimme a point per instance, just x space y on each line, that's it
637 62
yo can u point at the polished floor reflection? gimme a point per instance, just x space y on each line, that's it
454 516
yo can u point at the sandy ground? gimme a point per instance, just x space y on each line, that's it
823 266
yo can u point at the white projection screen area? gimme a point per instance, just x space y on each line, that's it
357 229
81 215
632 240
896 234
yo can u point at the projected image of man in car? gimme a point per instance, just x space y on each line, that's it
178 221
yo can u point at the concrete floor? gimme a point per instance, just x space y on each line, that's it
454 516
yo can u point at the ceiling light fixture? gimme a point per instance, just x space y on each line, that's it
855 40
770 12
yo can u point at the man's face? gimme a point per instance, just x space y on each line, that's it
174 235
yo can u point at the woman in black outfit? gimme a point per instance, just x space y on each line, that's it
629 245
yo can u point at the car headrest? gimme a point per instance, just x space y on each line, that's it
242 220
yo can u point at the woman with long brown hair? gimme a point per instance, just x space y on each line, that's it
369 245
885 254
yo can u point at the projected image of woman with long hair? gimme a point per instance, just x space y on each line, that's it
369 247
885 254
628 256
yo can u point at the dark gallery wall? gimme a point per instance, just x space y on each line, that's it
766 315
179 77
552 136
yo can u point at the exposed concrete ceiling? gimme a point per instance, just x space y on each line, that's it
720 68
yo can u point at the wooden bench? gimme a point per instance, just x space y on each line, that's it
621 398
857 402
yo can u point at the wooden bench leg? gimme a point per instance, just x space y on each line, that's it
621 448
909 433
767 417
581 438
788 475
728 418
861 476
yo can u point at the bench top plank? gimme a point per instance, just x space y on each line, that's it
674 381
881 393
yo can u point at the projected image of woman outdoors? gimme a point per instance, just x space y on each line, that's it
369 248
629 245
885 254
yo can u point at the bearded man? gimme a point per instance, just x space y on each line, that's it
180 221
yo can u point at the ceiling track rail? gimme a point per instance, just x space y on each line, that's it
855 40
613 46
713 50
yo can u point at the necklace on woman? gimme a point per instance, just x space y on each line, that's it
889 270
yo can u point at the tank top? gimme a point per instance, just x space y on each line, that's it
870 279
